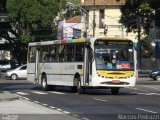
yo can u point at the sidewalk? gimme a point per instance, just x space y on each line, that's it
6 96
15 108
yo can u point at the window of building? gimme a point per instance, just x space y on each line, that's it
87 19
101 18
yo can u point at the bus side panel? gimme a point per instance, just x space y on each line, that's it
31 72
62 73
52 71
68 72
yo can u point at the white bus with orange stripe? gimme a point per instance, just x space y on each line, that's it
83 63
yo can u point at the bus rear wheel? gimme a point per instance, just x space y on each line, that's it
114 91
44 83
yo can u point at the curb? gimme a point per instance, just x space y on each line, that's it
6 96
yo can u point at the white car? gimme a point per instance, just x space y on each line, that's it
17 73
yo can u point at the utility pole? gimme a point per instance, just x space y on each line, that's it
139 21
94 24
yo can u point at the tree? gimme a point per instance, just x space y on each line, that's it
32 20
137 15
35 16
30 15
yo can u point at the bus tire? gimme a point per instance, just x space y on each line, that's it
114 91
44 83
74 89
80 89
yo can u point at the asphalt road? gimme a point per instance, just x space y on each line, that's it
140 102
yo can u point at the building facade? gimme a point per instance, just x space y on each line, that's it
71 28
102 18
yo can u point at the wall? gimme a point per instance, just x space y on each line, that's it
112 16
65 30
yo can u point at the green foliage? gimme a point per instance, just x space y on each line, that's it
28 15
26 38
139 14
34 15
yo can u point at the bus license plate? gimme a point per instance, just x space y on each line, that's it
115 81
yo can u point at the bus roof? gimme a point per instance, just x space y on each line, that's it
64 41
79 40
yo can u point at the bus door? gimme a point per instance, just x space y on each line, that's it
87 64
37 65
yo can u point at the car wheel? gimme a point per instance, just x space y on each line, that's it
14 76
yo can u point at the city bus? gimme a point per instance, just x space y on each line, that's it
82 63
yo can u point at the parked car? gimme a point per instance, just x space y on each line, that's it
7 65
17 73
155 75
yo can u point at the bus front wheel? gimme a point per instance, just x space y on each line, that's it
80 89
115 91
44 83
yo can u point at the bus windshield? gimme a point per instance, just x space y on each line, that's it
114 55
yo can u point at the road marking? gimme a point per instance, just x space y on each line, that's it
147 110
22 93
40 93
145 93
36 102
75 115
60 93
153 94
66 112
85 118
100 99
26 98
139 93
45 104
138 89
52 107
152 87
59 109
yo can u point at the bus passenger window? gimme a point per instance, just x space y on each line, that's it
69 54
61 53
32 54
45 54
79 52
53 54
